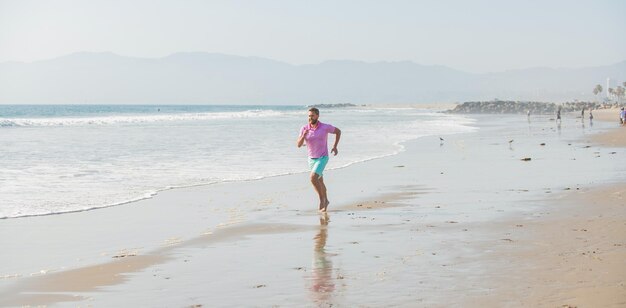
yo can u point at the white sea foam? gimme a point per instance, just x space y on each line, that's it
141 118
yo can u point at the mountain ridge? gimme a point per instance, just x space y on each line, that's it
215 78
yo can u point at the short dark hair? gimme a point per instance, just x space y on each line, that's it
317 111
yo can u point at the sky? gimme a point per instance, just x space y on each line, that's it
474 36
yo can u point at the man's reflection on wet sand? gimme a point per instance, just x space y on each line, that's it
322 268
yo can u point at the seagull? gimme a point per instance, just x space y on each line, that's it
511 141
441 139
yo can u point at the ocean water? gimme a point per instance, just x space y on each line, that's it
66 158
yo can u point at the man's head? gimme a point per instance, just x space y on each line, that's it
314 114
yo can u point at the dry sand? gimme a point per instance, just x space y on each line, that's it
614 137
582 250
465 223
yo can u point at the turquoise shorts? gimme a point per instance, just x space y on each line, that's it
317 165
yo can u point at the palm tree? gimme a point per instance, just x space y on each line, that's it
619 92
597 90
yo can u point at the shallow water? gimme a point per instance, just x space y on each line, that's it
64 158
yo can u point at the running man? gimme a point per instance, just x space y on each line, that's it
316 136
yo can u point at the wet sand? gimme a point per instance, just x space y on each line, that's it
465 222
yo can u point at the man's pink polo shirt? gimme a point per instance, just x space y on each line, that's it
317 139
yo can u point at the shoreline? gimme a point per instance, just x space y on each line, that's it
155 193
464 228
148 191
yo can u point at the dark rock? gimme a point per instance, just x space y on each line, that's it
519 107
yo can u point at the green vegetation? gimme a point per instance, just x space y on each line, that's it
616 94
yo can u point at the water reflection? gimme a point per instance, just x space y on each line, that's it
322 280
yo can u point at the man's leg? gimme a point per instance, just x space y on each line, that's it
324 194
319 188
315 180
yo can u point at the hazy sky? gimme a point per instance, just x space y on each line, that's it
474 36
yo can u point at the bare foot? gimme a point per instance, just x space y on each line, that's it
323 209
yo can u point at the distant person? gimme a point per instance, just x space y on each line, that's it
558 114
622 116
590 114
582 113
316 136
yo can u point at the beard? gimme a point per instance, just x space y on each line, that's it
313 121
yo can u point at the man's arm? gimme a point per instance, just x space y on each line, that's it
300 141
337 133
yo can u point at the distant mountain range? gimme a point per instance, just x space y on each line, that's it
209 78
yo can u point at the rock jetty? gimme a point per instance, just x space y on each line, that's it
519 107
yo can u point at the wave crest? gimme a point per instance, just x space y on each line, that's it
147 118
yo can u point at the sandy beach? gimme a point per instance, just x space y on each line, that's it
521 213
614 137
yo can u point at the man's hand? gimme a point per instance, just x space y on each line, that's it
337 133
300 141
